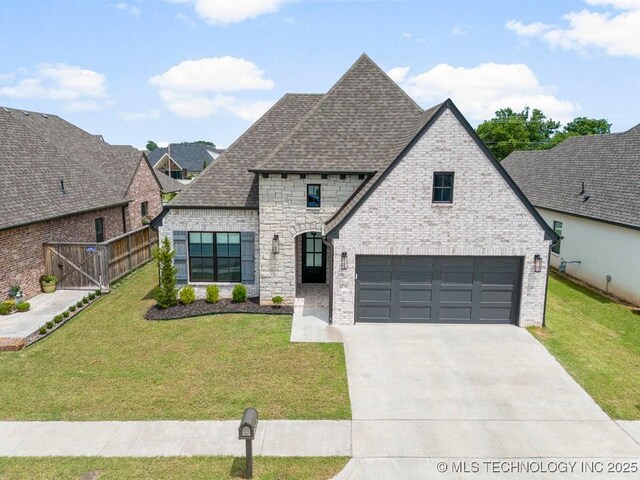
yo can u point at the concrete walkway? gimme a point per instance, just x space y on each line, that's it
173 438
43 308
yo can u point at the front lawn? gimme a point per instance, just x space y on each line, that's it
598 342
175 468
109 363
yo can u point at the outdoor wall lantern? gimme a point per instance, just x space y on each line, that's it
344 263
537 263
275 245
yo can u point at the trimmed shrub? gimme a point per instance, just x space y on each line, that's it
42 330
91 296
98 293
85 300
58 319
239 293
187 295
72 308
80 304
49 324
6 307
66 314
213 294
23 307
277 300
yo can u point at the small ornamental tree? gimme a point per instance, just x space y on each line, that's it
167 294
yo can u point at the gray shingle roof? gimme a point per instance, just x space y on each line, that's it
227 182
189 156
38 150
168 184
354 127
609 166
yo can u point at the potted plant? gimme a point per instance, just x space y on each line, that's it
15 292
48 283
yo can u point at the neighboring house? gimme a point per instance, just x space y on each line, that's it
186 160
588 189
392 212
62 184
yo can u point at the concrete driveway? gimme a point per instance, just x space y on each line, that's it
469 391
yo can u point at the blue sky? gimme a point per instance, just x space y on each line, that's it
180 70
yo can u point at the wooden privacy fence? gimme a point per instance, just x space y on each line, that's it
85 265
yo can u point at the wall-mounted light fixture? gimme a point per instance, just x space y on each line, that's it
344 262
275 245
537 263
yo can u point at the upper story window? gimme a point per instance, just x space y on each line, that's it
144 209
313 196
557 227
99 230
442 187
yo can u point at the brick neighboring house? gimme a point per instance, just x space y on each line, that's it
375 208
62 184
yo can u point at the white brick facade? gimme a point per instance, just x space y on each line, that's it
284 212
214 220
485 218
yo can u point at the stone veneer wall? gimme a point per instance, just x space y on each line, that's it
215 220
485 218
23 252
143 188
284 212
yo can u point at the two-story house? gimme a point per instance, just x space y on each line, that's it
396 213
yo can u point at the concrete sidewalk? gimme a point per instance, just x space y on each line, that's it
296 438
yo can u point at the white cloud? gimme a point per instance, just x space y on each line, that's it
480 91
232 11
618 34
80 89
200 88
217 74
139 116
406 35
460 30
130 9
398 74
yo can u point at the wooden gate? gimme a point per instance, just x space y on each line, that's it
85 265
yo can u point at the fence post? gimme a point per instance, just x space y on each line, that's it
129 253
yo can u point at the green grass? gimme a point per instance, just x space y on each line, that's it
174 468
108 363
598 341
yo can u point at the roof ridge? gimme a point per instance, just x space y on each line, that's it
363 57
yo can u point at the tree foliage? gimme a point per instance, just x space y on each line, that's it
167 293
206 142
151 145
532 130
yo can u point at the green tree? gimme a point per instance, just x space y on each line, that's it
206 142
167 293
505 132
204 164
151 145
587 126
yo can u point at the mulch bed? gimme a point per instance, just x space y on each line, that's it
225 305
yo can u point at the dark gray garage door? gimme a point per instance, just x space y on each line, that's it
437 289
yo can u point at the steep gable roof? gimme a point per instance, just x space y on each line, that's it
189 155
429 117
227 182
37 151
608 165
353 128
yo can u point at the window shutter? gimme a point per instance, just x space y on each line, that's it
248 257
180 260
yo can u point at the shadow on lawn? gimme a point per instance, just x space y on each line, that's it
238 468
574 285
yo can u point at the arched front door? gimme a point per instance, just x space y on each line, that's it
314 258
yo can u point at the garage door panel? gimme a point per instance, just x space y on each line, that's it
437 289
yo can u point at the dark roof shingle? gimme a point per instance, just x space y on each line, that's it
609 166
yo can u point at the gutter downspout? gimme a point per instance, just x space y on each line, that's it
546 283
330 247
